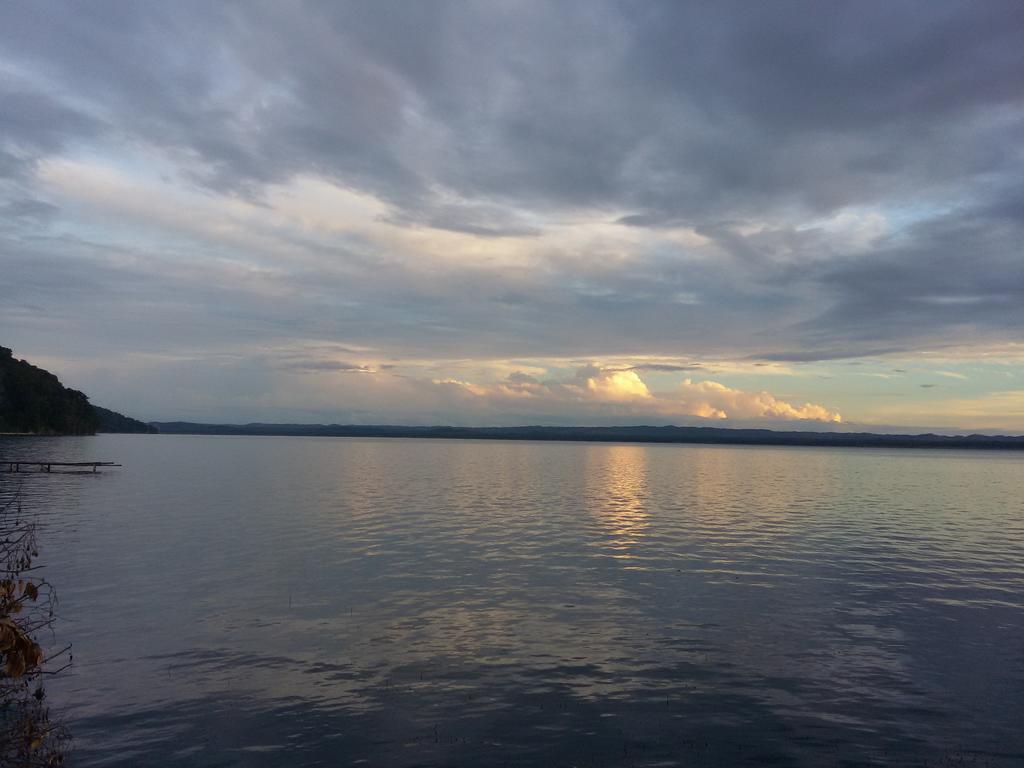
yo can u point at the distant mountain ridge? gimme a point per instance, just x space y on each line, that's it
33 401
631 434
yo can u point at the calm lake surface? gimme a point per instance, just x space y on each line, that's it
333 601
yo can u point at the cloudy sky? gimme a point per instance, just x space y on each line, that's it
566 212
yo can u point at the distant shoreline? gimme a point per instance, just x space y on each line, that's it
632 434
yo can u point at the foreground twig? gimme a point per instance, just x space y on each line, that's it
28 738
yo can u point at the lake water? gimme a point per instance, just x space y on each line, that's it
320 601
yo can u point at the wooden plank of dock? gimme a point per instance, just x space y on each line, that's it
46 465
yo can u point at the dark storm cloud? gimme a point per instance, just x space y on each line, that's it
743 121
665 367
35 125
679 110
962 272
318 366
26 210
816 354
483 220
827 105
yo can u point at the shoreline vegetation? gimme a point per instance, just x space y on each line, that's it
34 402
28 736
626 434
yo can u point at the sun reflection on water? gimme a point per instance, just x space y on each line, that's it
620 501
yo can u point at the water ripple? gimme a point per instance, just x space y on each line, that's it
268 601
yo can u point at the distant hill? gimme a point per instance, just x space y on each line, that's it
34 401
112 421
637 434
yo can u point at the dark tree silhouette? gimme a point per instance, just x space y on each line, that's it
33 400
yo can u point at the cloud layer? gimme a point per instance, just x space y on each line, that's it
594 390
539 181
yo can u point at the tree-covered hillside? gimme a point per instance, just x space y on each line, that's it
34 400
112 421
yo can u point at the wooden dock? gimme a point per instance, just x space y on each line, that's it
12 466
